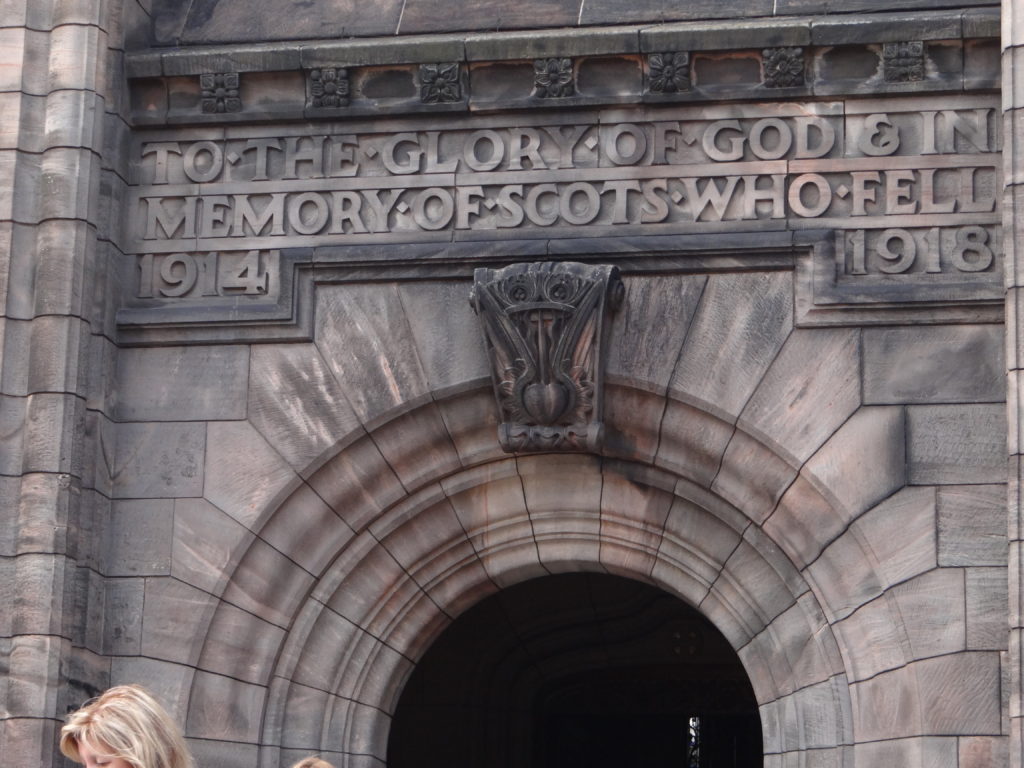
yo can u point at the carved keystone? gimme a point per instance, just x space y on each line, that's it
553 78
220 92
545 327
903 62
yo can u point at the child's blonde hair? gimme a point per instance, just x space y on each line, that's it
129 722
312 762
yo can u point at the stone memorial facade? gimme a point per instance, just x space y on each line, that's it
420 384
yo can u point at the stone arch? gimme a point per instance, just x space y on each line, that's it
424 543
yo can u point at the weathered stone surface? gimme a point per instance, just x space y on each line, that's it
246 489
888 544
692 442
728 351
206 545
930 751
168 682
297 405
222 708
986 604
358 483
159 460
364 336
941 364
174 619
949 694
798 405
241 645
139 538
449 343
648 331
417 446
956 444
182 383
863 463
972 525
268 584
751 477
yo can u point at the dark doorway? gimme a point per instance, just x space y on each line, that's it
578 671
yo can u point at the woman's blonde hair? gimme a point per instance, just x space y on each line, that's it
129 722
312 762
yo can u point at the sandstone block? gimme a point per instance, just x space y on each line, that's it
950 444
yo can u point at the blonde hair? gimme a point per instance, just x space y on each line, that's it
129 722
312 762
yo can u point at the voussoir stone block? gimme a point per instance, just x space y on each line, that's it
447 335
888 544
297 404
224 708
174 620
799 403
363 333
241 645
863 462
244 475
182 383
207 543
730 346
649 329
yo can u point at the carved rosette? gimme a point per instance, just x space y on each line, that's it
553 78
544 326
220 93
668 72
783 67
439 83
903 62
328 87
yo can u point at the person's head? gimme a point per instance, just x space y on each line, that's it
125 727
312 762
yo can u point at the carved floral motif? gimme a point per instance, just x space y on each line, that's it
552 78
328 87
220 92
439 83
903 62
669 72
783 67
544 325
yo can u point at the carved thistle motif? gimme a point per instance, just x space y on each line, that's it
220 93
783 67
669 72
328 87
544 325
552 78
439 83
903 62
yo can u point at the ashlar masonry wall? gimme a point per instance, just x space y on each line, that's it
290 483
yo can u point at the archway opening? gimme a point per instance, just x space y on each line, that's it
579 669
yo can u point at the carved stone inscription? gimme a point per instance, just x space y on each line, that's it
912 182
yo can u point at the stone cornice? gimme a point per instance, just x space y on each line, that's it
675 63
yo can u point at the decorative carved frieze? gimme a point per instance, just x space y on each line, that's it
783 67
668 72
220 92
439 83
328 87
903 62
544 326
553 78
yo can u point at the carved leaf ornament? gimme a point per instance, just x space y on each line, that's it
544 325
